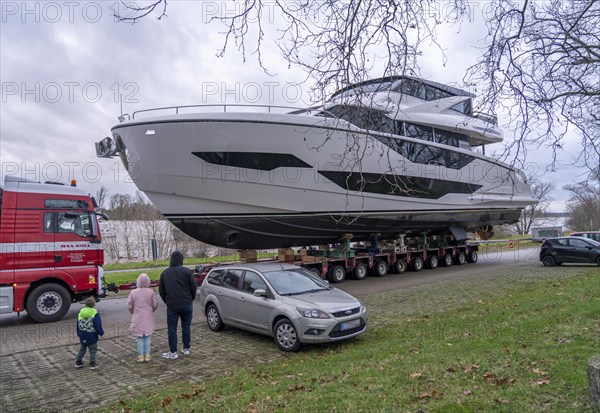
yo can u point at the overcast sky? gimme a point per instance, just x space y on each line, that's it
65 64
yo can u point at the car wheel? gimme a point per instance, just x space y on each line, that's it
472 257
417 264
48 302
360 271
447 260
432 262
213 318
598 261
285 336
548 261
337 274
380 268
400 266
461 258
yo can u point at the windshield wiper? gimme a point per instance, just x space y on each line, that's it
308 291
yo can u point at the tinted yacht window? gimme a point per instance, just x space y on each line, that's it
252 160
397 185
425 133
365 118
427 154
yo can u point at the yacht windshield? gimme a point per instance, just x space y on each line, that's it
295 281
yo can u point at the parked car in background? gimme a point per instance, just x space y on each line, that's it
595 235
284 301
556 251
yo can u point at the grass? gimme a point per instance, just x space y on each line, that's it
515 351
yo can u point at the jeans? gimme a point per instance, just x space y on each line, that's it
93 350
186 322
143 345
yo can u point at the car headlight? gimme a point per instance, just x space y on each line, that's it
312 313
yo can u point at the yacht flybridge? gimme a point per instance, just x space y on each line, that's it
392 156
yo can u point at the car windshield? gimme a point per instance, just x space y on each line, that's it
295 281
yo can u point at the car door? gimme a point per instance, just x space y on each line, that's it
581 250
253 311
228 295
561 250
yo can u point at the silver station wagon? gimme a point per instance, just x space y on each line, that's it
284 301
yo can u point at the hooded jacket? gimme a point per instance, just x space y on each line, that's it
177 286
89 326
142 302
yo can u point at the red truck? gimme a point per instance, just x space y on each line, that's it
50 248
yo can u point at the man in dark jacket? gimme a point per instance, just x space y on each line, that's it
177 288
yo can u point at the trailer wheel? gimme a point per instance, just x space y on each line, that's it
380 268
472 257
461 258
48 302
400 266
315 272
432 262
337 274
360 271
213 318
447 260
417 264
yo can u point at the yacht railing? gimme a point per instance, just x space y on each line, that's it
224 108
493 119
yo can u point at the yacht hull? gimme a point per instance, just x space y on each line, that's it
280 231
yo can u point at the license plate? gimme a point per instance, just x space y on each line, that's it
349 325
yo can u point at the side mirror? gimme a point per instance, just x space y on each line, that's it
260 293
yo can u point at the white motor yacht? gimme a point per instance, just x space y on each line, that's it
391 156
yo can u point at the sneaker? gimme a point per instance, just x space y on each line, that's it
186 351
93 366
171 356
78 364
140 359
147 357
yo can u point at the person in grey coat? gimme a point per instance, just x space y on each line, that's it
177 288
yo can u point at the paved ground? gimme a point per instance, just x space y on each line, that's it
36 361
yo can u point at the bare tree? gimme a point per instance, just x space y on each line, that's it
584 204
101 196
541 62
534 214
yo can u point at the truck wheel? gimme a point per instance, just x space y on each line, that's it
380 268
48 302
432 262
472 257
360 271
337 274
213 318
400 266
548 261
447 260
460 258
417 264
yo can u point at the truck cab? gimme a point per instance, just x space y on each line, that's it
50 248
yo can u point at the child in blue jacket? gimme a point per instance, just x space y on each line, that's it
89 328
